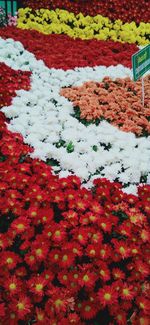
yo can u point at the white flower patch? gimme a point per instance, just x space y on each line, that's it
44 118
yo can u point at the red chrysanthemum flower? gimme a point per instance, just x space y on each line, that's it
144 304
127 292
9 259
80 235
118 274
91 251
36 285
107 296
41 317
104 251
63 277
20 225
87 279
12 285
96 208
137 218
67 259
121 248
96 237
40 251
71 216
121 318
88 310
30 259
143 268
59 235
105 224
145 235
73 247
54 256
22 306
103 271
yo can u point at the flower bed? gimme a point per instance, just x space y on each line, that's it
56 234
131 10
71 254
59 138
99 27
78 53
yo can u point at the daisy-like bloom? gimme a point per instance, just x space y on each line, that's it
40 316
125 228
107 296
88 310
58 302
144 305
103 271
45 215
145 235
22 306
54 256
120 316
59 234
30 259
71 216
74 247
96 208
91 250
142 267
121 248
67 259
36 285
12 285
9 259
96 237
127 292
104 251
20 225
40 251
105 224
87 279
118 274
136 217
63 277
80 235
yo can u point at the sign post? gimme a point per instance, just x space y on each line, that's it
140 65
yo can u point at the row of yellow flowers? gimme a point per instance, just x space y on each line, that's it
84 27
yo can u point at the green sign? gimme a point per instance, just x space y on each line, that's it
11 6
141 62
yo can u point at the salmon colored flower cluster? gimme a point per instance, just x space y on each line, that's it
119 102
68 255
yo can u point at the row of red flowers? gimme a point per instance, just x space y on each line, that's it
68 255
131 10
78 53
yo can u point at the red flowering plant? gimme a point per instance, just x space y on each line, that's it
68 255
78 53
127 11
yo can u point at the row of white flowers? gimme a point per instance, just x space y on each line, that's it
44 118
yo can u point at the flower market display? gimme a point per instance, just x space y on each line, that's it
74 165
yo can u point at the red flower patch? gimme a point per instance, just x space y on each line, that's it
78 53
